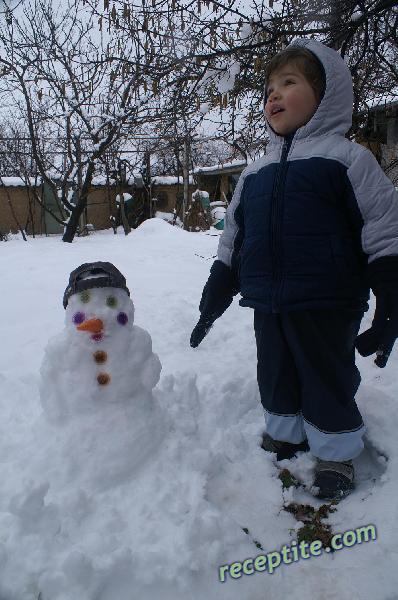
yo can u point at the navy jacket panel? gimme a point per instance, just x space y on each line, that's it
310 253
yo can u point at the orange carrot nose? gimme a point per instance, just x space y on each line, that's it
92 325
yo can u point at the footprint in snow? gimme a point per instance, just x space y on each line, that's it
370 466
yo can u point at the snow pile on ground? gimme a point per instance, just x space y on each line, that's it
147 496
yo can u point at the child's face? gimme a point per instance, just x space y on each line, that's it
289 90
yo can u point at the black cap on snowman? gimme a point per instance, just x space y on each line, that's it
94 275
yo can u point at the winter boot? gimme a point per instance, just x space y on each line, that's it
334 480
283 449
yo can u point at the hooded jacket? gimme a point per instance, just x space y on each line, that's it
308 216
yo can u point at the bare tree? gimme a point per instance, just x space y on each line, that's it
203 53
58 70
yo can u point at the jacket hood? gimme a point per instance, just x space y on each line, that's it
334 113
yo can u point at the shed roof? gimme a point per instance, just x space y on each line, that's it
19 182
235 166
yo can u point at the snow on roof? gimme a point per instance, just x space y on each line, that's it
102 180
97 180
382 101
19 182
169 180
227 165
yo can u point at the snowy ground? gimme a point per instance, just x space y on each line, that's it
162 532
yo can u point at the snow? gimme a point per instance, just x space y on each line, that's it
356 15
227 79
168 216
227 165
246 31
218 213
218 203
126 196
101 180
169 180
97 506
19 181
204 108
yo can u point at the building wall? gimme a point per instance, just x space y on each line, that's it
217 185
382 138
27 211
386 155
220 186
169 197
101 204
211 184
392 131
389 157
100 207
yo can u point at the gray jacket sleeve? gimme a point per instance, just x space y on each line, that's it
377 200
232 236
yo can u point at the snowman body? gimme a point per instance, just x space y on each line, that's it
96 387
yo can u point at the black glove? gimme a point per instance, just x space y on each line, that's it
199 331
380 338
217 295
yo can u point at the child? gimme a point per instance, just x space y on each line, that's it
311 226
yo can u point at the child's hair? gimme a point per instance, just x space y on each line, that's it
306 62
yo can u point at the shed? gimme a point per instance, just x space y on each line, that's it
220 180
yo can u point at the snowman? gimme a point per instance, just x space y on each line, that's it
97 378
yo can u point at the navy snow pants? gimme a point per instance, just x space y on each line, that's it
308 379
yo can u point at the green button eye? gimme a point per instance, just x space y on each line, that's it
85 296
111 301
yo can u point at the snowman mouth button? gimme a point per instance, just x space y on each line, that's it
91 325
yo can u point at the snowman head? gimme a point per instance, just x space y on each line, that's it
97 302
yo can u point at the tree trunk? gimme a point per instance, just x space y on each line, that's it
186 202
338 23
73 221
125 223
